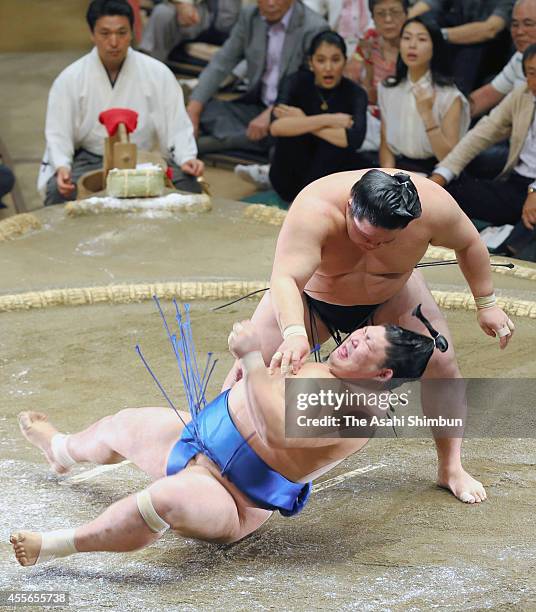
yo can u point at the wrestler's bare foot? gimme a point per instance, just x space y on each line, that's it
26 546
461 484
36 428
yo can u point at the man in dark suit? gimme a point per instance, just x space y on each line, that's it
273 37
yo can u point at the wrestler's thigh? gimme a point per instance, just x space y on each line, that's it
398 311
197 505
145 436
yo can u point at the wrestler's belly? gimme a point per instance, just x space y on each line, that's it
356 287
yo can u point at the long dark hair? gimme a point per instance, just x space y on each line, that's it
330 38
440 67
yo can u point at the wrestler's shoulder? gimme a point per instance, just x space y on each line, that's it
314 214
314 370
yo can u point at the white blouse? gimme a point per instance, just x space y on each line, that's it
404 128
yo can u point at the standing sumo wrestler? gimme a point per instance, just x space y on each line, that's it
346 257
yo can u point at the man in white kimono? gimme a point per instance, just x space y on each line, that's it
113 75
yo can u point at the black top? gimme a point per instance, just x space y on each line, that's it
459 12
299 90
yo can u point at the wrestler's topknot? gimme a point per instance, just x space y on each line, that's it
386 200
400 343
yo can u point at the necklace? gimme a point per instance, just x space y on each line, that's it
324 106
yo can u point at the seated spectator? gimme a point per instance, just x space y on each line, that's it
473 29
523 29
349 18
7 180
319 120
512 197
174 22
273 36
423 114
113 75
374 59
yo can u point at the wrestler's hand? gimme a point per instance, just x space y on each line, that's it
63 180
195 167
494 322
291 354
244 339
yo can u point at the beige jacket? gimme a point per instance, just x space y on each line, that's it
511 119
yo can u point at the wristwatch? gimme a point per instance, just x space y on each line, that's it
531 188
445 34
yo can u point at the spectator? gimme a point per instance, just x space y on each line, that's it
273 37
504 200
374 60
113 75
319 120
473 28
172 23
7 180
375 57
423 115
349 18
523 30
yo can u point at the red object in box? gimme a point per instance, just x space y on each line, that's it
112 117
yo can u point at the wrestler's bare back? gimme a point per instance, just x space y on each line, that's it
349 274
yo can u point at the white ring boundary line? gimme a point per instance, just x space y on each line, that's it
321 486
331 482
91 474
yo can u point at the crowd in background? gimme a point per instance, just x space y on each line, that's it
441 87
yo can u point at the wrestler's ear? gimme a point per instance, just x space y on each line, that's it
384 375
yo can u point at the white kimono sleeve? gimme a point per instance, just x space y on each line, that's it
59 131
179 137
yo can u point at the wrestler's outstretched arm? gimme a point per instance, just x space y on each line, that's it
298 255
454 230
265 394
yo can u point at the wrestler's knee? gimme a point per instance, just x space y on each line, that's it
443 365
115 424
195 511
170 500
